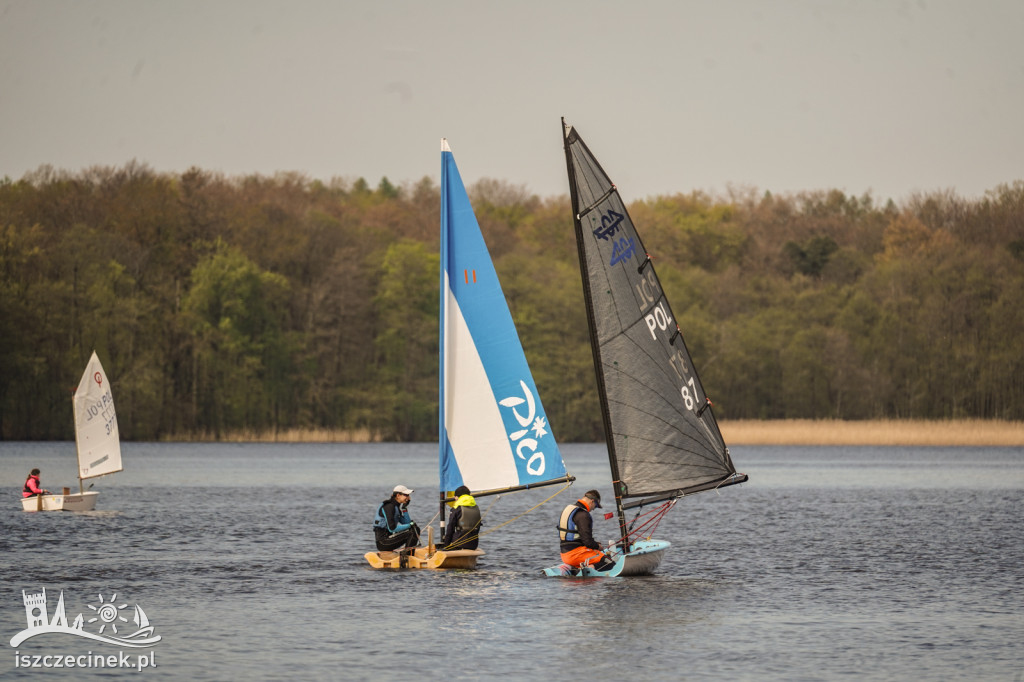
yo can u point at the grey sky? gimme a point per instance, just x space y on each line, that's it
672 95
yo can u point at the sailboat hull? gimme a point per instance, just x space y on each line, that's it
78 502
423 558
643 559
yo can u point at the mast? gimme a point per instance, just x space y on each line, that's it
441 333
594 347
78 447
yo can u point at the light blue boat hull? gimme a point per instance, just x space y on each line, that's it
643 559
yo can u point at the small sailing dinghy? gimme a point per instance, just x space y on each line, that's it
97 442
494 436
662 437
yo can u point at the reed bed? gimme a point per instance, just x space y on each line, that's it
978 432
284 436
875 432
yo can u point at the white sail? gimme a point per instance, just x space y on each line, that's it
494 433
99 443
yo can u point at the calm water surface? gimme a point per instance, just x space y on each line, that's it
831 563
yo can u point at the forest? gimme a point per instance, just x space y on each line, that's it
259 304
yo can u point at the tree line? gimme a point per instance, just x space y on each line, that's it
225 304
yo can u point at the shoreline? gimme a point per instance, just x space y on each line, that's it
947 432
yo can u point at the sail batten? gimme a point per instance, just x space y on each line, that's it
662 436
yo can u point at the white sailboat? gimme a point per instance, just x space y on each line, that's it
494 436
662 437
97 442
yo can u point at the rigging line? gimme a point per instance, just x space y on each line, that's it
462 541
657 522
431 521
650 525
536 506
655 514
724 481
457 544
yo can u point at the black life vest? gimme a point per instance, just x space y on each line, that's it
469 519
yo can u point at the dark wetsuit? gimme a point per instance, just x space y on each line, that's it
392 527
463 529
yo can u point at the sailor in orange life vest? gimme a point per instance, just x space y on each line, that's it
31 487
576 531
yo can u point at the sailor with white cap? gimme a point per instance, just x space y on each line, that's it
392 526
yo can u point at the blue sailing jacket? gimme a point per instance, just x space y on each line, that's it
391 518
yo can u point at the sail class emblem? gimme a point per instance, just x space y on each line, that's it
624 249
610 224
535 463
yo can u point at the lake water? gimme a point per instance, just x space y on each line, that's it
831 563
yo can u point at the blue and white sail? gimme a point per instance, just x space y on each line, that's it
494 433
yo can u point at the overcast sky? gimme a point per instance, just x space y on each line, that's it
671 95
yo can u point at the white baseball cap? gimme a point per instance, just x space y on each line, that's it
402 489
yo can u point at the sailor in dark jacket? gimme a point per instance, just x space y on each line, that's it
463 529
392 526
576 532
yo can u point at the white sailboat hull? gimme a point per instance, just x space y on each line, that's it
643 559
77 502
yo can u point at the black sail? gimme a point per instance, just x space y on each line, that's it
663 439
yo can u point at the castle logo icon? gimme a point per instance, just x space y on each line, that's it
112 626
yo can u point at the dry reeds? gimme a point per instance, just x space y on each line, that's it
285 436
875 432
966 432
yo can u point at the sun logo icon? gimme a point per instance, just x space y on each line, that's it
108 614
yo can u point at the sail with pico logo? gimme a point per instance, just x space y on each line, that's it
494 431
